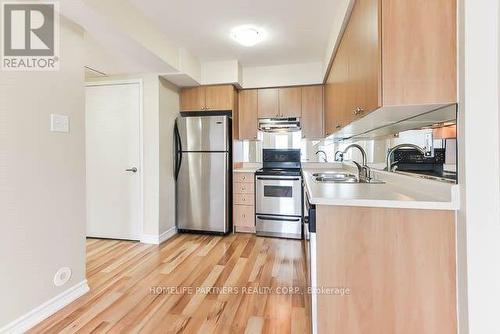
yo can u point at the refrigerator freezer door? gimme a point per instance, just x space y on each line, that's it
202 192
204 133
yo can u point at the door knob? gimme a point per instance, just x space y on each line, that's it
133 170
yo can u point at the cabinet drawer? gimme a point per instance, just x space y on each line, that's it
244 215
244 199
243 188
243 177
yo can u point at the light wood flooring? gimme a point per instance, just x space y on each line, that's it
122 273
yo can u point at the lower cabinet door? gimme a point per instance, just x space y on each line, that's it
244 218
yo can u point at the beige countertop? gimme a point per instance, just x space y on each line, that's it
247 167
245 170
398 191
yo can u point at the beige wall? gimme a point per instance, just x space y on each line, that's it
169 110
42 181
282 75
151 151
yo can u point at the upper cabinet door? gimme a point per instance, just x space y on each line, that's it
192 99
312 112
363 41
248 114
219 97
267 103
419 52
397 53
336 92
290 102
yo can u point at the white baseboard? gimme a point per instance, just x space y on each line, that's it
155 239
30 319
167 234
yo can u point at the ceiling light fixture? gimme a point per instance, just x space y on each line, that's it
247 36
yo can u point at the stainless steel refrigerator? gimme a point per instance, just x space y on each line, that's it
203 170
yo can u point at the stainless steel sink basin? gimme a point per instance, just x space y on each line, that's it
337 177
341 177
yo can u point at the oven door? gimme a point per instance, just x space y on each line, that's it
278 195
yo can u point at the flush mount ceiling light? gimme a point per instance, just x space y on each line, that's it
247 36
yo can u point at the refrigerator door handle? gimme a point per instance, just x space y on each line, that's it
278 219
180 163
178 152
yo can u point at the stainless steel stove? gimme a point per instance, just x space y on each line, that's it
278 194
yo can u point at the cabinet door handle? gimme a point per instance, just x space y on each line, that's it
338 126
358 111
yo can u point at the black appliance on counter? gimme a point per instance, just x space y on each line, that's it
410 160
278 194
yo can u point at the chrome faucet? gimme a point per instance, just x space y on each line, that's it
363 169
325 158
392 150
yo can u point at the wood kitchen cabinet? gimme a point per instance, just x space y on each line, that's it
212 98
392 53
192 99
268 103
248 114
279 102
353 85
219 97
208 98
399 265
312 112
336 97
364 64
290 102
243 202
419 52
305 102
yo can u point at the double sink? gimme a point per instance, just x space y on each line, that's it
341 177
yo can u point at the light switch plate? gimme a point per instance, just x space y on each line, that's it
59 123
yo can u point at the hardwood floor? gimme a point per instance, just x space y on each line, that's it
138 288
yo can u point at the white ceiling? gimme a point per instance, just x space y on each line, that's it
297 30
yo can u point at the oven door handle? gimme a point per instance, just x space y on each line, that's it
278 219
278 178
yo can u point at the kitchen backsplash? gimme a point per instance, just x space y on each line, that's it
376 149
251 150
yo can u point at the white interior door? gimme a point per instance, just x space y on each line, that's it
113 153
